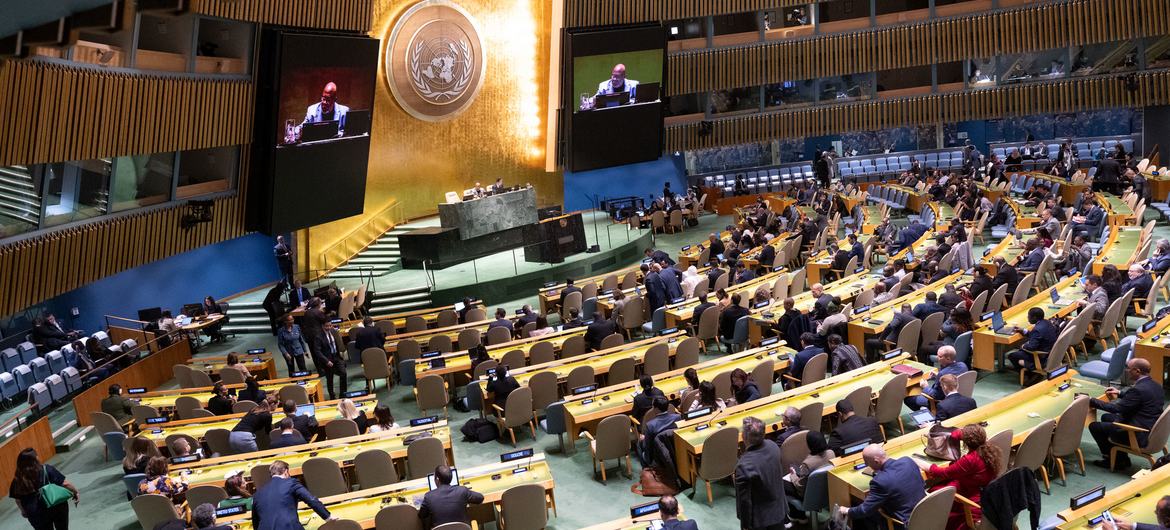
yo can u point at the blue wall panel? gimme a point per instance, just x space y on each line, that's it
643 179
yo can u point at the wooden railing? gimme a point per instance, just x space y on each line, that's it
360 238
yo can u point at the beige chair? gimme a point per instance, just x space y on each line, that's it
477 314
686 353
794 450
408 349
1002 440
423 456
260 475
153 509
517 411
430 392
498 335
199 413
995 302
414 323
588 290
796 282
570 301
523 507
931 327
439 343
482 368
398 517
200 379
469 338
814 370
514 360
929 513
612 341
573 347
609 283
388 328
580 376
633 315
720 455
1155 442
611 443
908 337
979 303
966 382
544 389
231 376
297 393
656 360
862 399
541 353
764 375
143 412
630 280
182 374
811 415
445 318
621 371
374 468
1023 289
341 428
722 382
676 221
323 477
104 423
1066 438
708 327
217 442
1034 450
341 524
721 282
206 494
186 405
243 406
658 221
375 367
191 442
889 404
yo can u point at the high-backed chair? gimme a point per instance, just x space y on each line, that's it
573 347
657 359
523 507
811 415
323 477
297 393
611 443
720 455
1155 441
374 468
1034 450
430 392
541 353
340 428
612 341
514 359
374 367
794 449
928 513
1066 438
153 509
544 389
621 371
889 404
205 494
814 370
686 353
398 517
580 376
423 456
469 338
341 524
517 411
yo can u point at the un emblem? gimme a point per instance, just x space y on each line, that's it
435 60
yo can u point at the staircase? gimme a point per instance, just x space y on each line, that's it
247 318
19 200
382 256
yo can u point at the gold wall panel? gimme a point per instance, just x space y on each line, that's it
1006 32
1153 88
54 113
502 134
349 15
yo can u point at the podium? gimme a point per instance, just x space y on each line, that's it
491 214
550 240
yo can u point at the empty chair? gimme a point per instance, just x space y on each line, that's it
71 376
374 367
763 374
40 368
517 412
413 323
544 389
231 377
56 361
217 442
430 392
686 353
1066 438
811 415
612 341
398 517
423 456
573 346
243 406
341 524
524 507
205 494
323 477
28 352
38 396
142 413
153 509
621 371
1034 450
340 428
260 475
580 376
720 454
24 377
200 379
656 360
57 389
541 352
498 335
182 374
469 338
439 343
297 393
611 443
889 404
513 359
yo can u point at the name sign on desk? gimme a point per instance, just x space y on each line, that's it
156 419
335 321
355 393
299 374
852 450
584 389
667 331
519 470
516 455
136 390
257 351
697 413
1149 325
234 510
430 354
428 420
643 509
761 305
769 341
892 354
860 310
184 459
1058 372
550 284
1087 497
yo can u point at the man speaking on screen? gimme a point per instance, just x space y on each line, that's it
617 83
328 109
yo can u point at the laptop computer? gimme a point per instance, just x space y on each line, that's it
611 100
922 417
998 325
1056 299
431 484
357 122
308 409
647 92
321 130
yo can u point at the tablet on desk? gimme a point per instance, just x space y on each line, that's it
431 484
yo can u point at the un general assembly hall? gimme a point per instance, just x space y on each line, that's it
584 264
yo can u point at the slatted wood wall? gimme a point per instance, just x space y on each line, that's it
584 13
1153 88
1042 27
346 15
54 113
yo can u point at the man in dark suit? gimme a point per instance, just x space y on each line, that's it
527 315
808 343
856 249
501 384
743 273
569 288
981 283
645 400
574 319
1039 339
728 318
670 280
312 324
760 502
502 321
668 509
714 273
853 429
932 387
1032 258
1108 175
902 317
447 503
953 403
203 518
1088 224
656 295
896 488
289 437
716 245
950 298
304 424
664 421
52 335
1139 406
368 336
767 255
1141 283
274 507
298 295
327 358
283 259
1006 274
658 256
600 329
698 311
928 307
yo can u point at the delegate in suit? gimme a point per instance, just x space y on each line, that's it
447 503
896 488
328 109
274 507
760 502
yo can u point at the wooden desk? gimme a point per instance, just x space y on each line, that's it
585 411
919 246
149 372
915 200
690 254
430 314
1120 250
165 399
874 321
943 213
1134 501
985 342
460 361
846 289
1044 400
1068 189
424 336
324 411
1119 211
550 297
871 217
822 261
212 471
680 314
751 258
1007 248
261 366
1154 345
690 435
1026 216
362 506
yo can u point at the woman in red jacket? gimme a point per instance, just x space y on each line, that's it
969 473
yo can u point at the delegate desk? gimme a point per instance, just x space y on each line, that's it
915 200
259 365
943 213
1119 211
165 399
986 343
423 337
690 435
751 260
992 194
1153 345
1019 412
1007 248
1026 216
585 411
680 314
600 361
212 471
550 295
919 247
875 320
324 412
822 261
871 217
846 289
430 315
1068 190
645 522
362 506
693 254
460 361
1120 250
1135 501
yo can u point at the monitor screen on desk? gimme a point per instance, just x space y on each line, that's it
431 484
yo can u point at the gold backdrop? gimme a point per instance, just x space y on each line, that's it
502 133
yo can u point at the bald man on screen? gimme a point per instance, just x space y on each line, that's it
617 82
328 109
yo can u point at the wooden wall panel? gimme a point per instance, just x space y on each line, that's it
150 372
584 13
59 113
1013 31
39 436
345 15
1153 88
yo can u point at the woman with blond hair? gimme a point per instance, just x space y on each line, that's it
350 411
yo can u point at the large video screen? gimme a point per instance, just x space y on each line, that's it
614 89
314 112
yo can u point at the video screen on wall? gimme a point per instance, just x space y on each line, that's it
614 89
314 130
